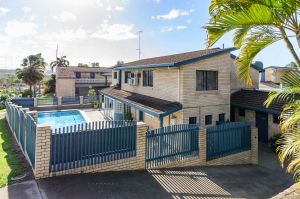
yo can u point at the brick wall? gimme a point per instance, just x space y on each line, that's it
65 87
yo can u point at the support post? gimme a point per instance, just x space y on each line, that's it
59 101
202 145
161 122
254 145
35 102
42 151
81 100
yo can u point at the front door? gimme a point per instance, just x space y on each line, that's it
262 126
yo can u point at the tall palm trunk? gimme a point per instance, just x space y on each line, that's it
30 88
290 46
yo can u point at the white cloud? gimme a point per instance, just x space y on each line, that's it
26 9
65 17
19 28
167 29
180 27
189 21
66 35
119 8
173 14
115 32
157 1
4 11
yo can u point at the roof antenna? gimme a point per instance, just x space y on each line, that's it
56 50
139 49
223 45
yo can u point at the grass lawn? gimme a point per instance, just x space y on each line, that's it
10 162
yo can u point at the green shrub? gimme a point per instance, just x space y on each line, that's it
273 140
26 93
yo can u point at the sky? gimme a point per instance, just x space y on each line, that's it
105 31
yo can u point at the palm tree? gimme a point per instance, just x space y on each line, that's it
32 71
256 24
59 62
292 65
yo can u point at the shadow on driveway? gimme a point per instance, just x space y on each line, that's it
242 181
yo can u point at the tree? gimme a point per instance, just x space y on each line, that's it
256 24
95 64
83 65
120 63
50 85
59 62
292 65
32 71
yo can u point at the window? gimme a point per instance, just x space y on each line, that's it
208 119
242 112
206 80
78 75
127 76
115 75
92 75
192 120
222 117
276 119
148 78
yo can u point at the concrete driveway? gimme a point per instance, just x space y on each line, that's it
243 181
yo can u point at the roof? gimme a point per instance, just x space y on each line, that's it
69 72
254 66
280 68
175 60
254 100
151 105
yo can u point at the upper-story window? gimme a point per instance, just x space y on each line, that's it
127 76
92 75
206 80
78 75
115 75
148 78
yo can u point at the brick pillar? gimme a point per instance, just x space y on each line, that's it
59 101
81 100
35 102
42 151
142 129
202 145
254 145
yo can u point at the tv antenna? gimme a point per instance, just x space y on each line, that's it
139 49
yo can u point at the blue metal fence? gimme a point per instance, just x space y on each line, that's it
70 100
24 128
227 139
171 144
24 102
90 144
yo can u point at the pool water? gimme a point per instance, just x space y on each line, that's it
60 118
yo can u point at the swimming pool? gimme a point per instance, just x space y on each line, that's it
60 118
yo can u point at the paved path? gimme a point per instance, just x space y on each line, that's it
243 181
24 190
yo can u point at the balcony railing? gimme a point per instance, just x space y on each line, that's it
89 80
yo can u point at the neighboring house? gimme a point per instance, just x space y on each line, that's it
248 105
75 81
192 87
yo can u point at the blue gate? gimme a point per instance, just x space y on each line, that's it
227 139
171 144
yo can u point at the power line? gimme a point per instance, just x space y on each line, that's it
139 49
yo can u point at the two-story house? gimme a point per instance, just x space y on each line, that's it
75 81
192 87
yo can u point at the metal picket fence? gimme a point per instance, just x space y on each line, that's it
91 143
227 139
70 100
171 144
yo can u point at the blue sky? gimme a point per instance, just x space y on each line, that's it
104 31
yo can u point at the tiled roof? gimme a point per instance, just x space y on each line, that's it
176 59
254 100
64 72
158 107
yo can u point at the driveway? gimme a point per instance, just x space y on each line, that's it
243 181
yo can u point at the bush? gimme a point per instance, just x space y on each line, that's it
93 96
26 93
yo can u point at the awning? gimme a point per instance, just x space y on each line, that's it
153 106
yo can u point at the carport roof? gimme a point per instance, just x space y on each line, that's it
154 106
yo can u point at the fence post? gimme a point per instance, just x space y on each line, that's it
35 102
59 101
141 132
254 145
42 151
202 145
18 108
81 100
